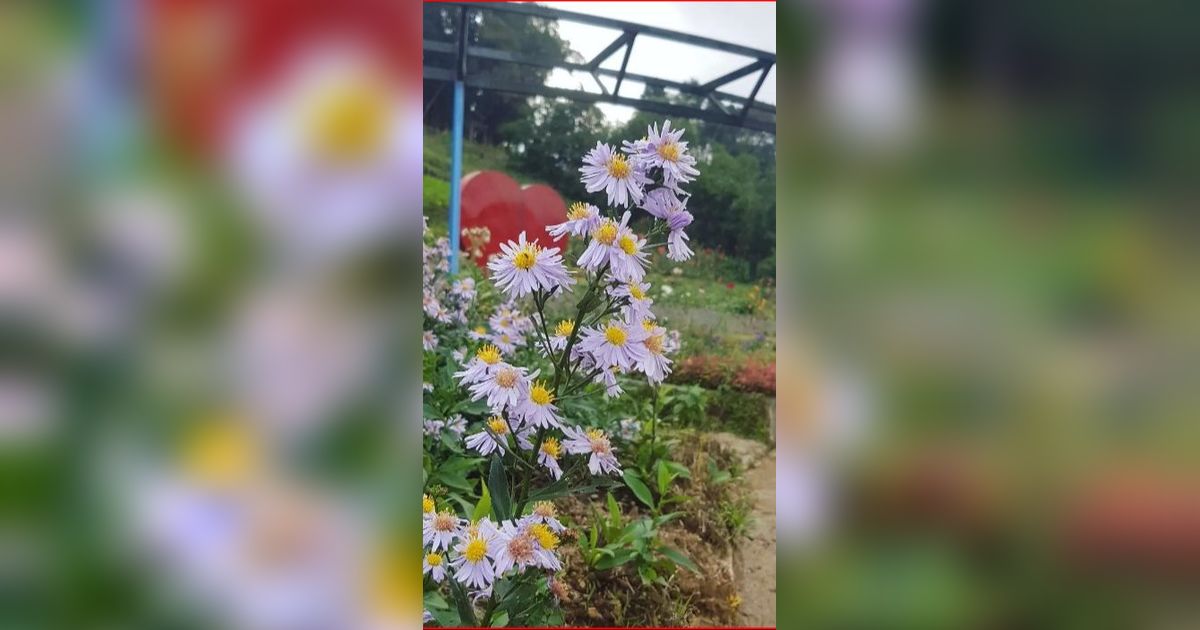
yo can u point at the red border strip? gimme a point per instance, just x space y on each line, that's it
571 1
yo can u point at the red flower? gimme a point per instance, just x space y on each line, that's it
729 285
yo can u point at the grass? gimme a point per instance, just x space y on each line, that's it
476 157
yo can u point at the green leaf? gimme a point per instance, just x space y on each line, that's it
484 507
664 478
667 518
639 488
614 512
647 573
466 611
616 560
679 558
498 484
679 469
500 619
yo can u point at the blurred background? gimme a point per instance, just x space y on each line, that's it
209 249
988 291
989 314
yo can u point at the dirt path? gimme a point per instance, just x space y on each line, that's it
755 560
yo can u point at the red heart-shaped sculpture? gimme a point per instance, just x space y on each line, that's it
494 200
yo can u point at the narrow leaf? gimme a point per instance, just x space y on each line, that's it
679 558
614 513
466 611
484 507
498 485
664 478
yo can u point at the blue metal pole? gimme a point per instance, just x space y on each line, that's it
456 140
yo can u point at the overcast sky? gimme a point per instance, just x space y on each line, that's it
747 23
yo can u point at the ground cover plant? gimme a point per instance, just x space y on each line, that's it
511 404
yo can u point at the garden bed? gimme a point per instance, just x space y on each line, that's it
714 518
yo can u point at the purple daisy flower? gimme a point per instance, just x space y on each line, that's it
665 150
525 267
616 343
620 177
581 220
666 205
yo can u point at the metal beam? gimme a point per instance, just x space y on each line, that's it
504 55
753 93
735 75
456 143
621 40
624 63
670 109
535 10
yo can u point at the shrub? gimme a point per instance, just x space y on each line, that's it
743 413
435 196
713 372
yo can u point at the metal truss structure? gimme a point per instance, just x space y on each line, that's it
711 103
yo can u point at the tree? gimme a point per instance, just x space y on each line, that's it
548 143
488 109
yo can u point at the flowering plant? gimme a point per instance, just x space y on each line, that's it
527 375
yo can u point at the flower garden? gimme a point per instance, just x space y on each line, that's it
579 400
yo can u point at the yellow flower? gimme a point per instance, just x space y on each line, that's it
222 451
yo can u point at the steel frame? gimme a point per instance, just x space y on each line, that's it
715 105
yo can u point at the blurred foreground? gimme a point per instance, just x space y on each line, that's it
990 323
210 366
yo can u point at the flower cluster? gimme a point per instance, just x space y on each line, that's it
522 372
443 302
477 554
625 178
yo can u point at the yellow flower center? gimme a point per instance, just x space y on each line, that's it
544 509
606 233
221 452
427 505
636 292
599 441
551 447
480 330
628 245
349 122
614 335
564 328
526 257
498 425
618 166
489 354
546 538
655 344
507 378
579 210
476 550
669 151
434 559
647 324
540 395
